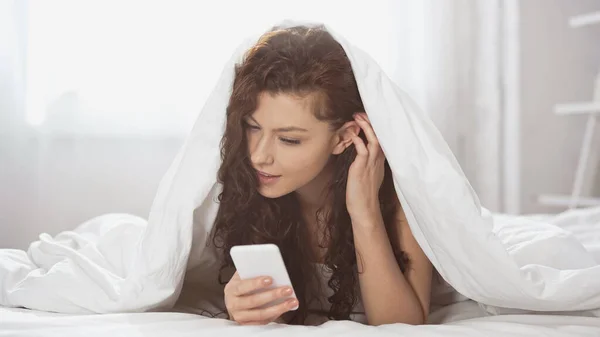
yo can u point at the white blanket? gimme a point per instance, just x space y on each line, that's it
120 263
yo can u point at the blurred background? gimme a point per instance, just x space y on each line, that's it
96 97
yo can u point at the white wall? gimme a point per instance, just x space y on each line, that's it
53 185
558 64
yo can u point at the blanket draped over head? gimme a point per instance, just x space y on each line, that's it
123 263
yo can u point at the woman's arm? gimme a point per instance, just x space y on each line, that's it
388 295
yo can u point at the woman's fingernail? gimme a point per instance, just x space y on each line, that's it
293 303
267 281
287 291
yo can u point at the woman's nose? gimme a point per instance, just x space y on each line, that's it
261 153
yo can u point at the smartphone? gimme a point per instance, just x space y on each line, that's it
262 260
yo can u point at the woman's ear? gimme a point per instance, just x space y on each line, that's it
344 136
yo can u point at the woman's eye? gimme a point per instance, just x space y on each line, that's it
290 141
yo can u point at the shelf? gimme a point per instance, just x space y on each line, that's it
565 200
577 108
585 19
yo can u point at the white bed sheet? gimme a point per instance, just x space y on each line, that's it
465 318
28 323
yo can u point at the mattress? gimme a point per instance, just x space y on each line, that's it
25 323
460 318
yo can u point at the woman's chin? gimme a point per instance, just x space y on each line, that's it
270 192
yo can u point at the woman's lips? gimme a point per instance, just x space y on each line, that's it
266 178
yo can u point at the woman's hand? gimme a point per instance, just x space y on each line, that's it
365 176
246 307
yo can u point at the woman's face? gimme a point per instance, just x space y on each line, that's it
288 146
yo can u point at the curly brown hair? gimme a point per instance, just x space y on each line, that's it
301 61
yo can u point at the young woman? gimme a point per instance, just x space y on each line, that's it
302 168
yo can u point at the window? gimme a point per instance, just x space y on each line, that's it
145 68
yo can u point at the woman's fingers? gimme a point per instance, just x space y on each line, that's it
245 305
268 314
373 142
242 287
262 298
362 154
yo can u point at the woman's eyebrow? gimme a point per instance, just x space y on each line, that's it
283 129
290 128
252 119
